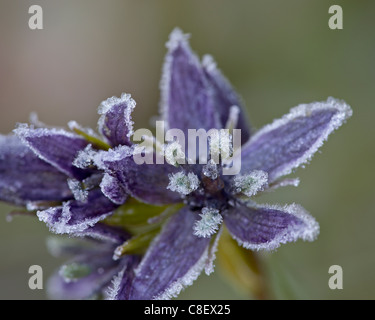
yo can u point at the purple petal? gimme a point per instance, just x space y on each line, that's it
187 97
57 147
267 227
74 217
174 260
102 268
103 232
122 282
288 142
116 123
147 182
24 177
113 190
225 97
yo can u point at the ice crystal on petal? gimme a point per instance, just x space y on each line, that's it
187 280
115 286
182 183
294 182
79 193
251 183
307 230
85 157
209 222
234 113
209 268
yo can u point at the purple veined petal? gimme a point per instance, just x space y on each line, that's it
147 182
101 269
178 257
116 122
187 100
267 227
225 97
291 141
24 177
74 217
55 146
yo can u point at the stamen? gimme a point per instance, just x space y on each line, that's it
251 183
209 223
174 154
182 183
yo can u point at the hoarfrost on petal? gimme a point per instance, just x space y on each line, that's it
79 193
266 227
113 190
187 280
291 141
209 267
85 158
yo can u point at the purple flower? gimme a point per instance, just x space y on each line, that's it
195 95
156 226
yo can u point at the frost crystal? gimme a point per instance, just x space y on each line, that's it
233 118
79 193
251 183
210 170
85 158
114 287
182 183
209 223
174 154
209 267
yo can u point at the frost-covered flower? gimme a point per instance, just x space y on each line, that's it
158 225
195 95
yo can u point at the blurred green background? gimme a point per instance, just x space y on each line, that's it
277 54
